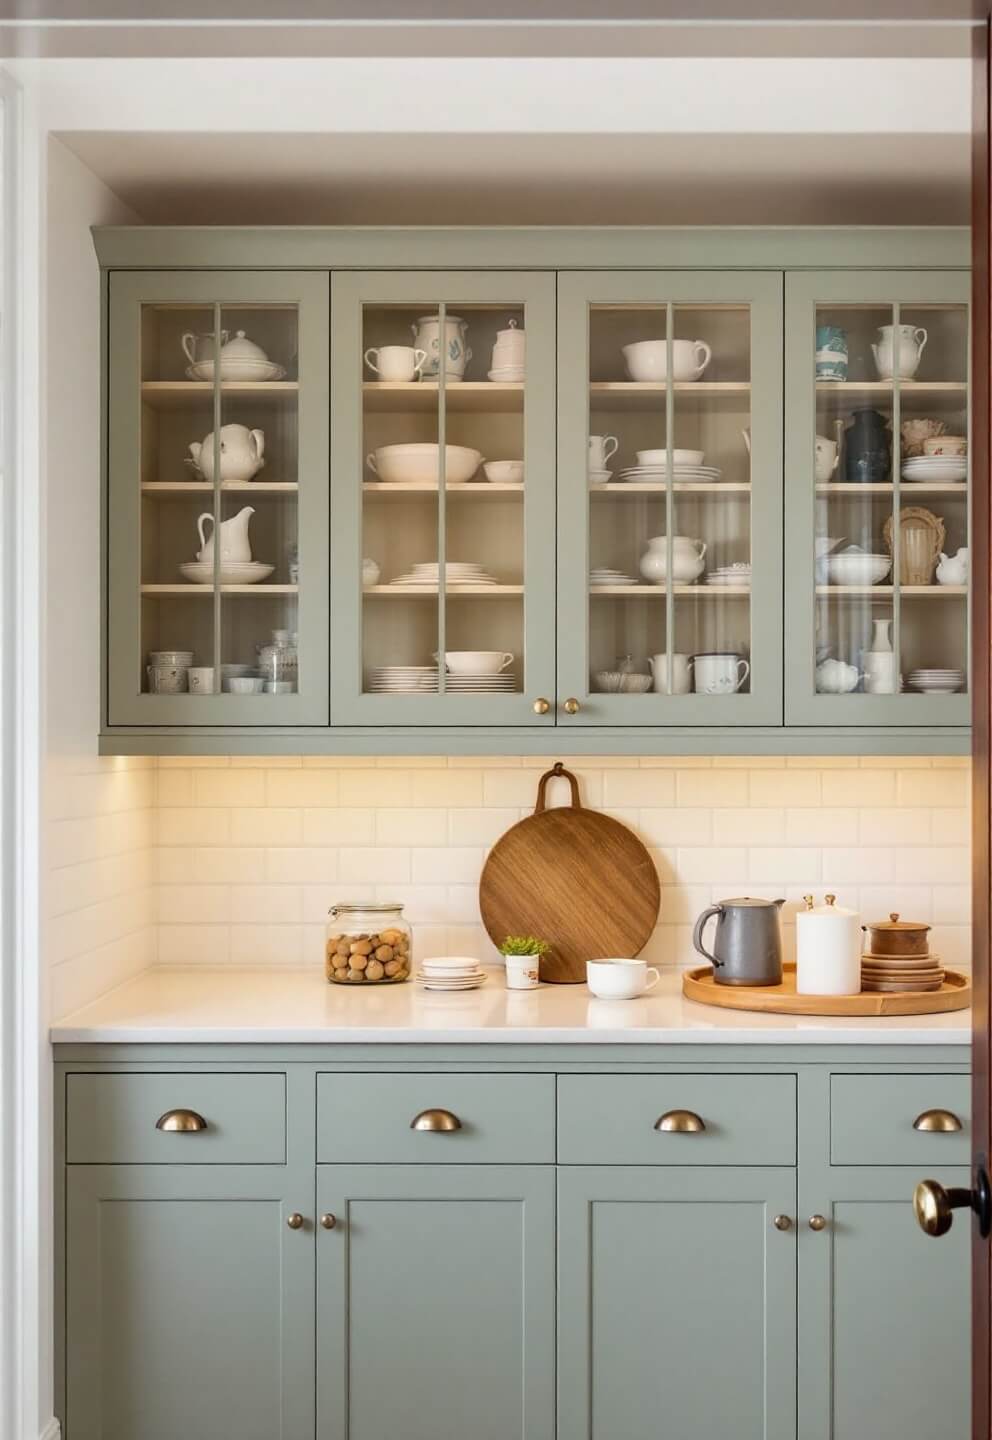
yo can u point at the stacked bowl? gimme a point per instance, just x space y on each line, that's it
509 355
898 958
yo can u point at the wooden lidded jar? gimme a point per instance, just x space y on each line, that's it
897 937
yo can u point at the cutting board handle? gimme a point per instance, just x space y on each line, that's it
556 770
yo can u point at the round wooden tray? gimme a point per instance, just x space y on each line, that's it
954 994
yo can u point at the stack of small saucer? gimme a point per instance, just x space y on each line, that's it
899 958
450 972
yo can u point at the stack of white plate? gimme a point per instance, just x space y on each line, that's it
600 575
469 684
230 573
426 573
936 682
949 468
739 574
402 679
658 474
450 972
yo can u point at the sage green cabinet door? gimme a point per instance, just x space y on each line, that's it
435 1302
189 1304
677 1304
885 1313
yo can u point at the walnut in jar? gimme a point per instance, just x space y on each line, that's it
367 945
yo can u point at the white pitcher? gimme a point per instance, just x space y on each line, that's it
241 453
235 547
687 559
953 569
911 339
427 337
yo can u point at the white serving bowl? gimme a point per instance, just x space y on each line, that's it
506 472
858 569
406 464
477 662
245 685
679 457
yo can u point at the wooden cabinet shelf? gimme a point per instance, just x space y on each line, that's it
885 592
193 394
699 592
203 487
417 396
184 590
473 489
625 395
480 592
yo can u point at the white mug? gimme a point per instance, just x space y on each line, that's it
719 674
522 972
681 673
827 458
396 362
620 979
602 448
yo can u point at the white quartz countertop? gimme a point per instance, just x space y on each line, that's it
229 1006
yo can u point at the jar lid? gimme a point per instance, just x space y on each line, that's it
241 348
829 907
894 923
392 905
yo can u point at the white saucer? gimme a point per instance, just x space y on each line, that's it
249 574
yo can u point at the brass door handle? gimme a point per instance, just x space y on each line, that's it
328 1221
541 706
181 1122
942 1122
438 1121
782 1222
680 1122
295 1221
571 706
817 1222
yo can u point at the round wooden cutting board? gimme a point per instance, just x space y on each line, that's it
579 880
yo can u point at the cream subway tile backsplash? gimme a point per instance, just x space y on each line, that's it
252 852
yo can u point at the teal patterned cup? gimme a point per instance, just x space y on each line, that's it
831 352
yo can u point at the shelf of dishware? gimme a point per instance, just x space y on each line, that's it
204 487
884 592
405 396
623 395
708 592
681 487
423 591
873 389
184 394
190 591
478 489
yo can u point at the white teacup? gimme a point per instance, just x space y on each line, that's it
827 458
681 674
477 662
947 445
201 679
395 362
602 448
719 674
620 979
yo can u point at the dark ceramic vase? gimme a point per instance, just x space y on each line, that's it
867 448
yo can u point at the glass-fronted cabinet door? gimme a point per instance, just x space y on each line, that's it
217 509
877 498
670 514
443 498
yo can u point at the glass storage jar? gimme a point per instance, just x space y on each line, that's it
367 945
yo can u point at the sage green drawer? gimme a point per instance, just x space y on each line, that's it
614 1119
501 1119
112 1119
874 1119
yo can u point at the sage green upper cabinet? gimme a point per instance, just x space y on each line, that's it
439 546
669 562
235 446
877 362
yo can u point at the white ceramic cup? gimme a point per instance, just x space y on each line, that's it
477 662
602 448
946 445
201 679
681 674
395 362
522 972
721 674
620 979
647 360
827 458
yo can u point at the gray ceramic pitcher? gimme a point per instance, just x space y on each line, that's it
747 945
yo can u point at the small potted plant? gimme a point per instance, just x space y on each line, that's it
522 954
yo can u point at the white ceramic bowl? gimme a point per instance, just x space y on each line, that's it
506 472
679 457
406 464
477 662
858 569
245 685
166 659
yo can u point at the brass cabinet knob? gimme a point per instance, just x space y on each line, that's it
295 1221
541 706
181 1122
680 1122
782 1222
438 1121
934 1206
571 706
942 1122
817 1222
328 1221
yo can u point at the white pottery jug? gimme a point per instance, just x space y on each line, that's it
953 569
235 547
687 559
912 339
426 336
241 453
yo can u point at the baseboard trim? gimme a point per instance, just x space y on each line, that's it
52 1431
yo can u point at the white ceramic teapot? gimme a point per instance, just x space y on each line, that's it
834 677
953 569
235 547
911 338
687 559
241 453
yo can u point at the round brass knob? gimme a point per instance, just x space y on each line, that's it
782 1222
943 1122
181 1122
541 706
680 1122
571 706
295 1221
438 1121
817 1222
328 1221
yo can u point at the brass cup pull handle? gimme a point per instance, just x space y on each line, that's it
571 706
181 1122
328 1221
942 1122
439 1122
680 1122
541 706
817 1222
295 1221
782 1222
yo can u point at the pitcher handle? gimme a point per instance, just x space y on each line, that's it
187 341
697 346
697 934
702 549
370 462
199 527
610 447
742 678
419 360
920 336
259 438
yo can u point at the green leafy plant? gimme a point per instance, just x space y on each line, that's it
524 945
